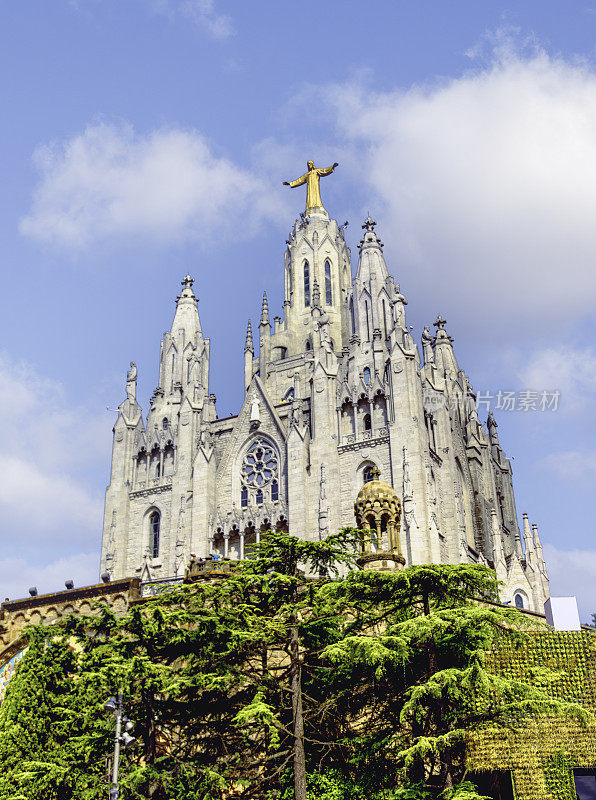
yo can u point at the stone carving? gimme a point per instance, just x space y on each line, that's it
131 383
427 350
255 413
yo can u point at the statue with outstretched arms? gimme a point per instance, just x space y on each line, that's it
311 178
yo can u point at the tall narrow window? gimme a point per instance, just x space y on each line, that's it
259 496
274 492
519 601
367 422
328 292
306 283
244 497
154 525
352 315
366 375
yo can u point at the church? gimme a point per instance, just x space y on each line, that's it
345 421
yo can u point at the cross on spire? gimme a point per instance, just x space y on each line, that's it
369 224
440 323
187 282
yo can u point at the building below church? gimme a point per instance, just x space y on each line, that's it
337 391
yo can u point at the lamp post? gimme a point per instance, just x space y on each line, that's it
114 704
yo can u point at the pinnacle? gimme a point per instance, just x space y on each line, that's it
249 346
370 238
187 291
265 311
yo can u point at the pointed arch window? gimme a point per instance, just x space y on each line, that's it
306 283
366 375
308 345
259 497
154 530
367 422
328 291
274 492
244 497
519 601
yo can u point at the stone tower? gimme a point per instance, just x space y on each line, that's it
337 390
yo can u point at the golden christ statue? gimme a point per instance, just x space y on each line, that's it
311 179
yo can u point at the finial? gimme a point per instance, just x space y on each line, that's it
369 224
440 323
249 343
187 282
265 311
375 472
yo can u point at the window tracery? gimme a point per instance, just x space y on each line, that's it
259 473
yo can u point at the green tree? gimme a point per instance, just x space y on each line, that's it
417 673
280 679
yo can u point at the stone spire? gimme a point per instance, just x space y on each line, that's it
186 317
537 545
264 337
248 345
443 347
371 261
265 311
249 352
529 543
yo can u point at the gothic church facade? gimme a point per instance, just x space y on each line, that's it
337 389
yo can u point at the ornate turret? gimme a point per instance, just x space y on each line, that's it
378 510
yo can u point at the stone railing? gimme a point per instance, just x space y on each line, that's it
159 586
162 484
365 436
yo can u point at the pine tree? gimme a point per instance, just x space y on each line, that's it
280 679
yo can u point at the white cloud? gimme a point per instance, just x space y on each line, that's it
167 186
17 575
487 185
570 370
571 572
572 465
202 13
44 500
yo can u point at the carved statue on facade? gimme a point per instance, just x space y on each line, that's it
131 383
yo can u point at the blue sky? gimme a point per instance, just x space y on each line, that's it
146 139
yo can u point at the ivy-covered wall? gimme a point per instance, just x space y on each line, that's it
541 756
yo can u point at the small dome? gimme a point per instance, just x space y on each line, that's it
377 497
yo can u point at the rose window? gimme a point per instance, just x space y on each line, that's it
260 465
